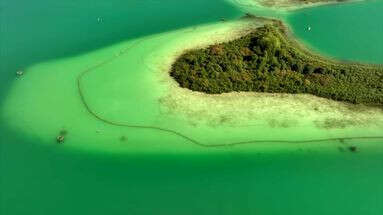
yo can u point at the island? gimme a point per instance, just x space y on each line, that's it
268 59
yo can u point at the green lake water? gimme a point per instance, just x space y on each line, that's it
155 171
350 32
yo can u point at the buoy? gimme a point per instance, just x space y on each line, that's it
99 19
60 139
309 28
19 73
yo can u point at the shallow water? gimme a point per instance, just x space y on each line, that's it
152 171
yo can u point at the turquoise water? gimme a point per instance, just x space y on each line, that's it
350 32
72 27
52 39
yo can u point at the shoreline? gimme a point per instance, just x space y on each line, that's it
289 5
237 108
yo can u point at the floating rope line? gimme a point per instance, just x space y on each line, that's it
187 138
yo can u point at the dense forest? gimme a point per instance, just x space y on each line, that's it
266 61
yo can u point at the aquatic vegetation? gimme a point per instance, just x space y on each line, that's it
61 137
63 132
353 148
267 60
123 138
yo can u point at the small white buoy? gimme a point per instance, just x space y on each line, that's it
99 19
309 28
19 73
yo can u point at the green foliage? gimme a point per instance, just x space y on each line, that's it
265 61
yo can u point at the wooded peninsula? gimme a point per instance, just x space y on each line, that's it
269 60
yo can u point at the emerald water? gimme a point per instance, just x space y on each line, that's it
126 151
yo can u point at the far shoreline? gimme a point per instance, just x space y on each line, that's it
290 5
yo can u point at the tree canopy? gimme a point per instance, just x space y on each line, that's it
266 61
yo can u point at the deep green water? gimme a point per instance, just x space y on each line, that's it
40 177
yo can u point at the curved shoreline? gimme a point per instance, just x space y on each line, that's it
94 114
181 104
167 46
289 5
252 24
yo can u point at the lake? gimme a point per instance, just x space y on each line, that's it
124 154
